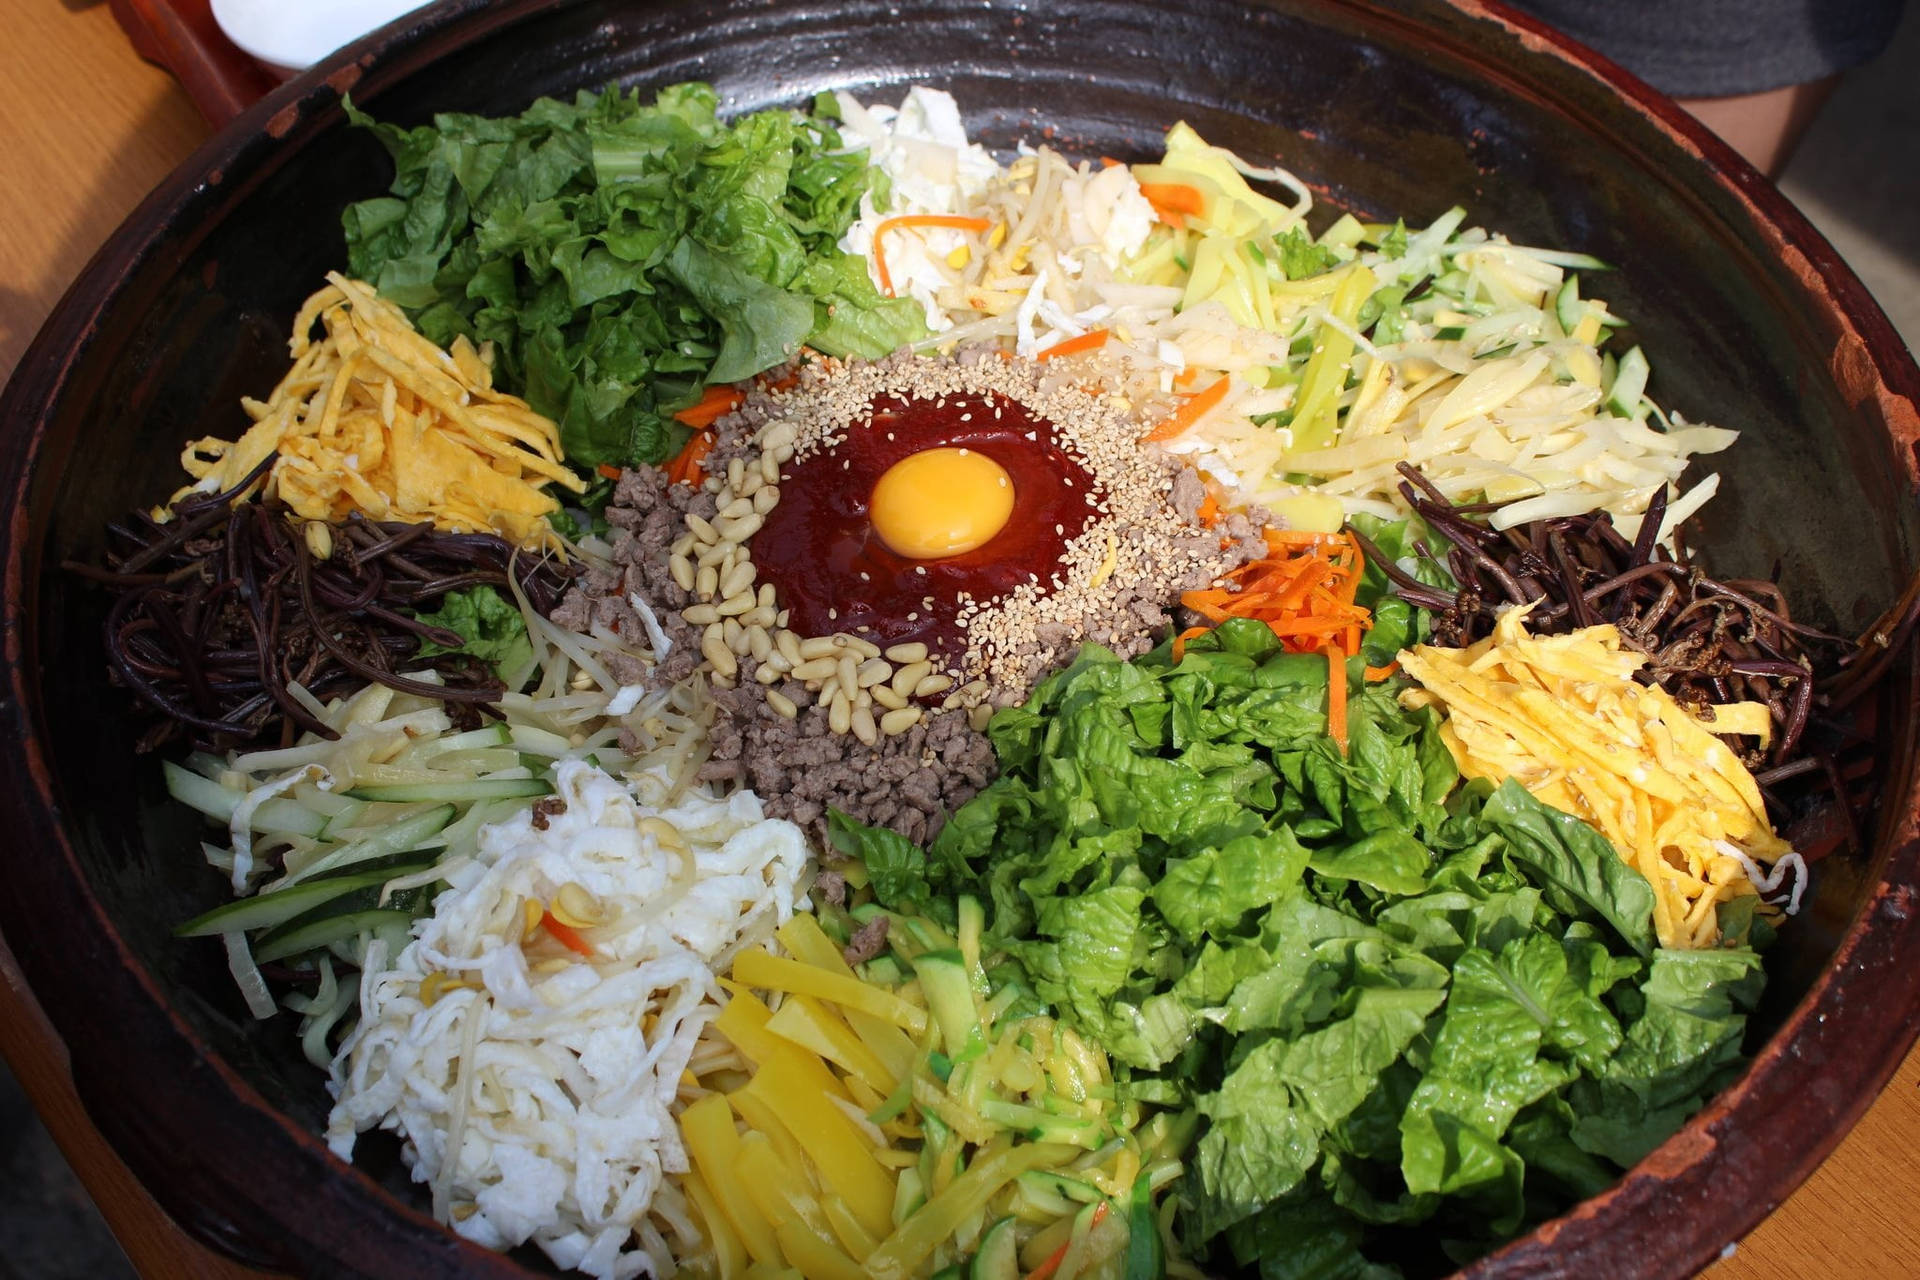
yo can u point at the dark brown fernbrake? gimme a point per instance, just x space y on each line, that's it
1398 109
224 606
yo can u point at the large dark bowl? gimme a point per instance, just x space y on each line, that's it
1751 319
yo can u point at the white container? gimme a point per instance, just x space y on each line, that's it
287 36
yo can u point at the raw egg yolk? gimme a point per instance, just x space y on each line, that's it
941 502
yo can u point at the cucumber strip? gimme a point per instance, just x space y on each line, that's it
324 933
949 991
1060 1184
267 910
998 1257
493 735
1566 304
1146 1257
455 792
346 819
1629 383
401 837
276 816
539 741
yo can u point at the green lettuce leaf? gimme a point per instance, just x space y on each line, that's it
490 626
621 254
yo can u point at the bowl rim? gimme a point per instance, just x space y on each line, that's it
1869 363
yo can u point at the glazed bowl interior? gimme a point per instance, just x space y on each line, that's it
1384 113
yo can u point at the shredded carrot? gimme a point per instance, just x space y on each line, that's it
1185 377
1381 673
685 467
1054 1259
1209 512
1195 408
608 470
1092 340
1337 696
1108 162
954 221
565 935
1304 591
1174 201
719 401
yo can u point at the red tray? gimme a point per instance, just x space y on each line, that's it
182 36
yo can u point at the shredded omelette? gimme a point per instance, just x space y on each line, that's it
375 418
1564 716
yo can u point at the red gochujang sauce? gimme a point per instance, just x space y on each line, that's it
833 573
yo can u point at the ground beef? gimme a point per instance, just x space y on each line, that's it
832 888
800 768
868 941
648 515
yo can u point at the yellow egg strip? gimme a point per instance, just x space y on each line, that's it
1564 717
374 418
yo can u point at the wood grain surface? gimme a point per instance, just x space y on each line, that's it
87 130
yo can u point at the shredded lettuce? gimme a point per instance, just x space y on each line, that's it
620 255
488 623
1393 998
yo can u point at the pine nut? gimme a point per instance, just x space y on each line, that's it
865 648
759 643
778 661
701 529
819 647
738 579
740 528
978 717
758 616
781 704
765 596
700 615
860 720
789 646
907 678
664 834
766 498
907 653
776 436
734 606
770 468
781 618
899 720
848 673
872 672
682 570
683 545
936 683
736 470
886 697
783 455
713 556
767 673
738 507
715 650
829 691
815 669
734 634
840 714
707 582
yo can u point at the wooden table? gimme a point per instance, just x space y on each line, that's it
89 130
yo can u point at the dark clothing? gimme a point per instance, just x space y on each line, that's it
1719 48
